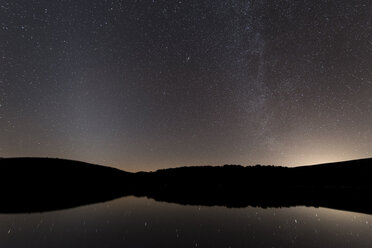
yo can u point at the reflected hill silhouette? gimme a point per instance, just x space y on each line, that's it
41 184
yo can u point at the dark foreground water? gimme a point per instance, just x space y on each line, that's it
140 222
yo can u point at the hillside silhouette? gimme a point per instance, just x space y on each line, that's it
44 184
41 184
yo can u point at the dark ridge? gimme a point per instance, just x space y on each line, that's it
35 185
343 185
45 184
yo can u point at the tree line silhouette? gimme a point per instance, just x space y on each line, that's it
43 184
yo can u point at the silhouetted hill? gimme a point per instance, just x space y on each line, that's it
344 185
35 184
354 173
41 184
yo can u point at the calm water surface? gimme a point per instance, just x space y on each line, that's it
140 222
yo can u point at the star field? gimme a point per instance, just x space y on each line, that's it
142 85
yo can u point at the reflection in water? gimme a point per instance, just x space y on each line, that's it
140 222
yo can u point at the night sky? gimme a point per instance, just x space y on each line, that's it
143 85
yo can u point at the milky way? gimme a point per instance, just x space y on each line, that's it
142 85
